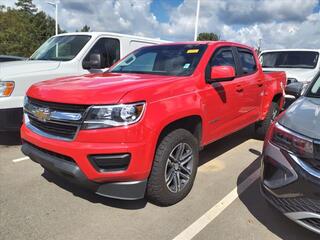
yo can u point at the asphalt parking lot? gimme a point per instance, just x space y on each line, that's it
37 205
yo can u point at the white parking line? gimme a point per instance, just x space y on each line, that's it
215 211
20 159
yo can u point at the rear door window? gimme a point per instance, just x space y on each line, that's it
247 62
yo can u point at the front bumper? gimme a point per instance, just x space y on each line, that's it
10 119
290 188
69 170
52 153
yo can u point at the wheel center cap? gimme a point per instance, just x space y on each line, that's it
176 166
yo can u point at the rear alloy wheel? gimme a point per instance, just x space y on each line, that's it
174 168
262 127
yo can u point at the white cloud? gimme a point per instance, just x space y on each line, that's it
285 23
280 24
279 35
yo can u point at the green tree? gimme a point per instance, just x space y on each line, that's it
85 28
208 36
26 6
23 30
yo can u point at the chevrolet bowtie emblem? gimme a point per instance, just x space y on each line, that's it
42 114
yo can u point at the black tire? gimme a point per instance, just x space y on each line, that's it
158 191
262 127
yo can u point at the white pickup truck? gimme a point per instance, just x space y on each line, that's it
60 56
300 65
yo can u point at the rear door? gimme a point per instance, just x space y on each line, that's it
252 84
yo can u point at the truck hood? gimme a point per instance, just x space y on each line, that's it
104 88
301 74
303 117
14 68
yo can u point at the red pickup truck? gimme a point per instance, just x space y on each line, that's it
137 129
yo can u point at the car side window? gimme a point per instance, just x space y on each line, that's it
224 57
247 62
109 50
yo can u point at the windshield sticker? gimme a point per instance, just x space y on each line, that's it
187 65
190 51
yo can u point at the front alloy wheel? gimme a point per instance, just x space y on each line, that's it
174 168
179 167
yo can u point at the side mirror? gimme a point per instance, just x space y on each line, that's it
222 73
94 62
294 89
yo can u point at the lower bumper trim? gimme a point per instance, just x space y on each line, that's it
307 219
69 170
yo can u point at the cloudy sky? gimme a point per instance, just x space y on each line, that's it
279 23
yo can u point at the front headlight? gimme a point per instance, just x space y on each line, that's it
6 88
113 115
292 142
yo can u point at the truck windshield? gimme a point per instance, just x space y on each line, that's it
314 90
174 60
61 48
289 59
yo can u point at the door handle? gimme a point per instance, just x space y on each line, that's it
239 88
260 83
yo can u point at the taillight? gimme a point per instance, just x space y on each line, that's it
292 142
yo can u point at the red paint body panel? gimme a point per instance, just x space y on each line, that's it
224 107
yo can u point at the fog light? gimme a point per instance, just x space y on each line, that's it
110 162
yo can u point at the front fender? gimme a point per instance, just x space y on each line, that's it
161 113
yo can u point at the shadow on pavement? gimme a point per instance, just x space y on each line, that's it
10 139
210 152
271 218
91 197
225 144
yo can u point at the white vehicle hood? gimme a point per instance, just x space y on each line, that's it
15 68
301 74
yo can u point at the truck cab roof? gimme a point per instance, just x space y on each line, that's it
211 43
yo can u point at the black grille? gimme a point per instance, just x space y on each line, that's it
313 222
58 128
294 204
59 106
